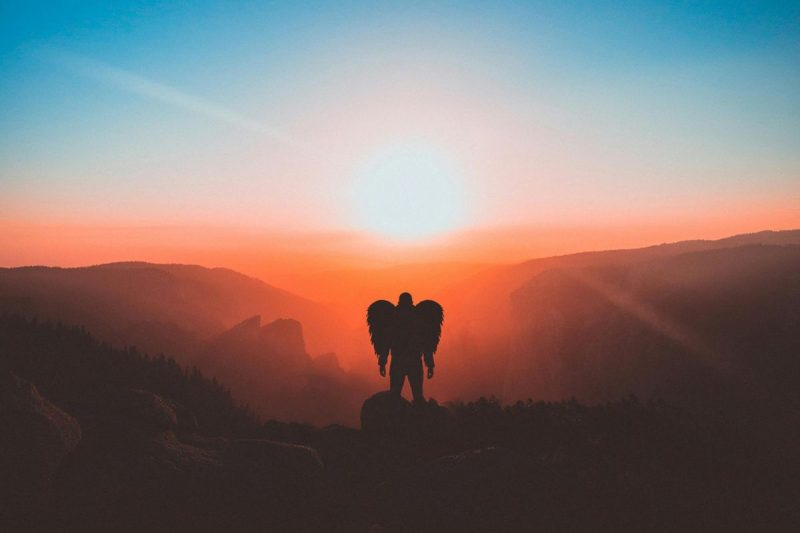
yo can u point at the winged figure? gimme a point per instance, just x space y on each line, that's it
411 334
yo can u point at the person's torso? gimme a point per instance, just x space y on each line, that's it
405 342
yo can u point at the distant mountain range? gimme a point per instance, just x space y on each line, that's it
688 321
700 328
191 313
270 370
158 307
497 320
91 434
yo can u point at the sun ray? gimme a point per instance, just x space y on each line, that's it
648 314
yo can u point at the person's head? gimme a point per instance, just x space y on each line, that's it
405 300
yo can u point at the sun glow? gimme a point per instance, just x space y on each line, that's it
407 192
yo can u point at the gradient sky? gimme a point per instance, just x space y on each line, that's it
268 115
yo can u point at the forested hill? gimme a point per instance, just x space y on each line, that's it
79 373
136 443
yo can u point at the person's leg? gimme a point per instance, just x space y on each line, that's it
415 380
397 377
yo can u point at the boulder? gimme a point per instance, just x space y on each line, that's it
129 476
273 461
33 430
393 420
35 436
186 421
165 450
384 413
143 409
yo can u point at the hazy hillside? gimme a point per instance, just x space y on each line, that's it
184 311
489 290
160 308
481 322
702 329
90 436
71 367
191 313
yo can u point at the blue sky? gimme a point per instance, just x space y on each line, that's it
671 102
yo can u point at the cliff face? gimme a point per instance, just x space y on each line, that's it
280 342
284 335
268 368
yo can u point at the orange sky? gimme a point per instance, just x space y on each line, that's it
304 261
284 141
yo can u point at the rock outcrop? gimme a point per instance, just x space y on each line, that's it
143 408
35 436
384 412
284 335
273 461
134 460
393 419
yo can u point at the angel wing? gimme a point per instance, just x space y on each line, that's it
430 317
380 319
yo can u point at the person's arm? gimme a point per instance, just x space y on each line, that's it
428 358
382 362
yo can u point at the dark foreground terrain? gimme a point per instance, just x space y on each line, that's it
98 439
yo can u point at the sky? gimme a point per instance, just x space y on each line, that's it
146 130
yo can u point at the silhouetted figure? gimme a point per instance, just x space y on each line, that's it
411 333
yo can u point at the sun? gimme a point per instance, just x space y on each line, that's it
408 191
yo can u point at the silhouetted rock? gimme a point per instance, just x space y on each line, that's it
284 335
134 479
186 421
135 432
273 461
384 411
35 435
143 408
165 451
42 430
393 419
277 378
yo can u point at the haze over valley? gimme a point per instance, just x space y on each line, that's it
694 322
